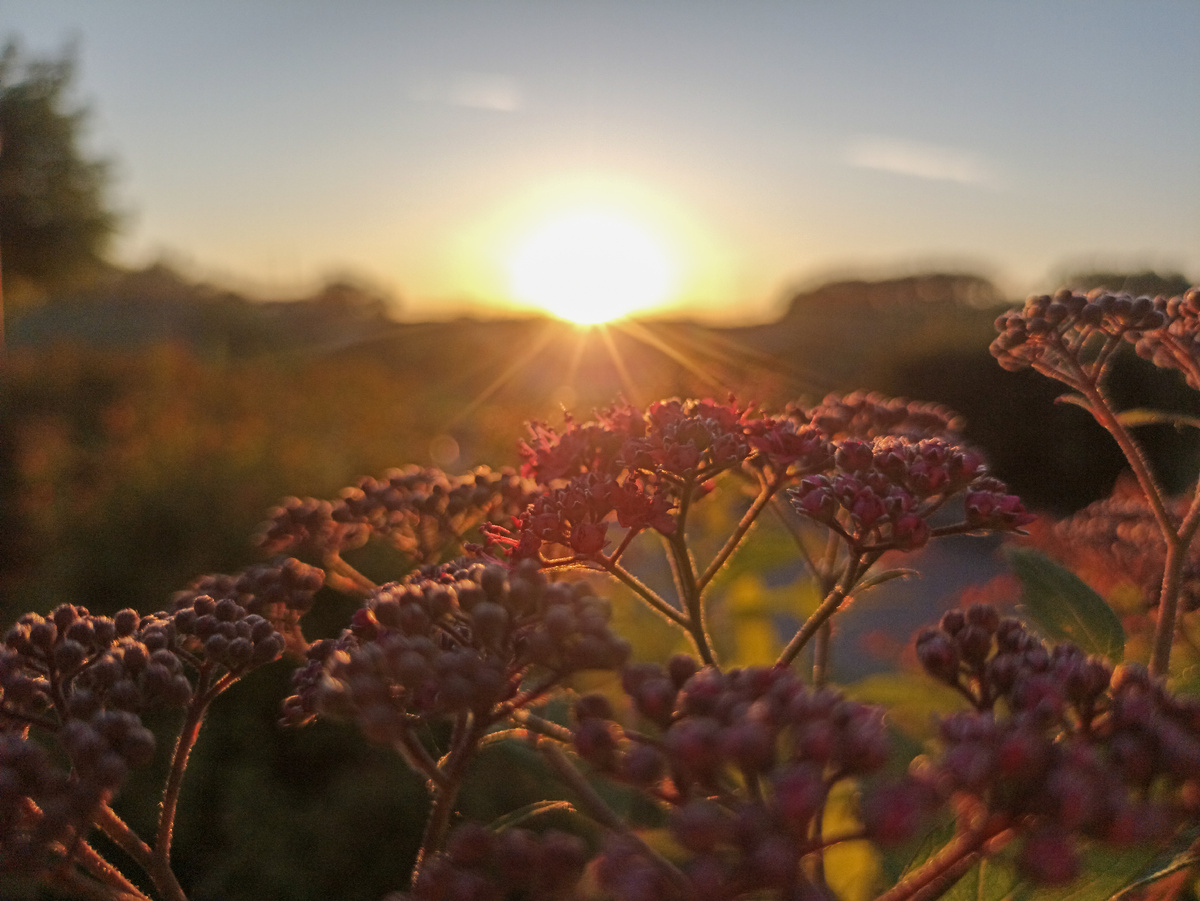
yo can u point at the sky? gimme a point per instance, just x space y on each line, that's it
268 145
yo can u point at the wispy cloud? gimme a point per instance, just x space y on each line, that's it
473 90
918 160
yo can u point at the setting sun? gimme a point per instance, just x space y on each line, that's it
590 266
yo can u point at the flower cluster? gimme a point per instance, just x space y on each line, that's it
868 415
746 759
477 638
421 512
882 492
479 865
87 680
1052 333
634 467
280 592
672 441
631 466
576 516
1177 344
1059 745
1120 539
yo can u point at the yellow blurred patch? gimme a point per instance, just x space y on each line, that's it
852 869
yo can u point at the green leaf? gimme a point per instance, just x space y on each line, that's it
1104 871
1064 608
989 880
1145 416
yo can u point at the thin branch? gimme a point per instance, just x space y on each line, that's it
188 734
598 810
542 726
418 759
646 593
464 741
127 840
769 490
77 885
856 567
91 860
350 579
689 592
946 867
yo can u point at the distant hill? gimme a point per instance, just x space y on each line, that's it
847 333
936 288
133 308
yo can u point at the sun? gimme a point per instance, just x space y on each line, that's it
592 265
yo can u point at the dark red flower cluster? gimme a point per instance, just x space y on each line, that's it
280 591
1060 745
866 415
479 865
1053 332
576 516
874 467
82 679
1120 535
1177 344
209 632
633 466
672 440
477 638
421 512
882 492
695 439
552 456
746 759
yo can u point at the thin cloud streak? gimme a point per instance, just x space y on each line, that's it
472 90
932 162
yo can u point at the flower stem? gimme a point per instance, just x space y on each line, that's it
647 594
118 886
599 811
179 760
856 567
464 741
941 871
152 864
689 591
768 491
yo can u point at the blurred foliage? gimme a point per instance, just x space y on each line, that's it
55 215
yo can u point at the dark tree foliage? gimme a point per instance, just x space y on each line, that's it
1147 282
55 219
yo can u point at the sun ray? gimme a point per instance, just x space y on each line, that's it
631 391
520 362
581 340
713 344
640 332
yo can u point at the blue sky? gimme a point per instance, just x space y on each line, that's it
271 144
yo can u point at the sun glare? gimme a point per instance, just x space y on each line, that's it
592 266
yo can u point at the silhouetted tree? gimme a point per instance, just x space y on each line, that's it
55 218
1147 282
